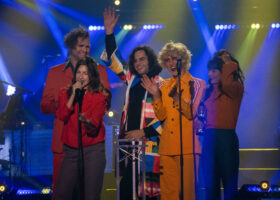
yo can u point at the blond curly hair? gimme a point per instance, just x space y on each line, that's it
175 49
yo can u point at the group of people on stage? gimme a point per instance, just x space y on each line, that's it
78 93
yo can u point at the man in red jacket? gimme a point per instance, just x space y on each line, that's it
78 44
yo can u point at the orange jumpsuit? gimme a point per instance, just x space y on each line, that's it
169 148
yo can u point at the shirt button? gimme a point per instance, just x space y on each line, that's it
172 119
171 132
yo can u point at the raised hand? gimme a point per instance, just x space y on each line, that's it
110 20
151 86
226 58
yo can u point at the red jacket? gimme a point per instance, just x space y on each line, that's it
94 106
61 77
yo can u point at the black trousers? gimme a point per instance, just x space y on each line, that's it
220 158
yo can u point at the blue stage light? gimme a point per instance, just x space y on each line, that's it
10 90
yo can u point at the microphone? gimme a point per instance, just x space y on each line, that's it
78 91
179 66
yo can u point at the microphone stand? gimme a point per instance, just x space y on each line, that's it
191 82
81 174
178 66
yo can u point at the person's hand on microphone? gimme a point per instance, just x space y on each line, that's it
77 85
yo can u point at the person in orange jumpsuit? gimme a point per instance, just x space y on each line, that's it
166 108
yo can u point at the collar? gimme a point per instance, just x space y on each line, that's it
69 64
185 78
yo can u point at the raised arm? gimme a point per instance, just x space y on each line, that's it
230 86
110 21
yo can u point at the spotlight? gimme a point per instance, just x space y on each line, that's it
3 188
117 2
46 191
217 27
10 90
264 185
255 26
22 123
277 25
111 114
90 28
273 25
95 28
127 27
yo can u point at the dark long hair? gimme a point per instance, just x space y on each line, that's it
154 66
237 75
94 84
217 63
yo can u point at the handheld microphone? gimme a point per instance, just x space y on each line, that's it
179 66
78 91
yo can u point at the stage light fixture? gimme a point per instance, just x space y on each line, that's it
152 26
273 25
277 25
217 27
111 114
255 26
10 90
127 27
95 28
3 188
46 191
117 2
264 185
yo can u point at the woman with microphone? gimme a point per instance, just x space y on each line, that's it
93 98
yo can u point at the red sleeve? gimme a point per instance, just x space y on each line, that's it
230 86
48 102
63 112
97 109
